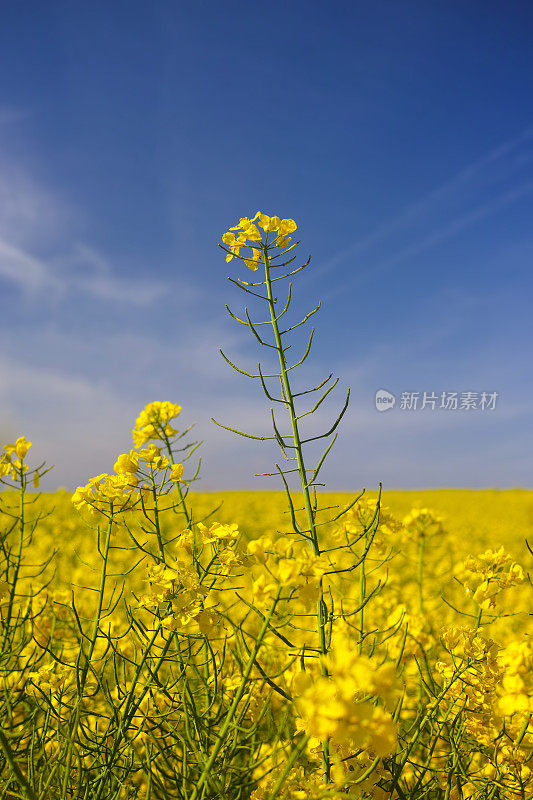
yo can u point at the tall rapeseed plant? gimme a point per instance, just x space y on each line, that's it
268 248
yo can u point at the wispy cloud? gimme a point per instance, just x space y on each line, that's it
438 236
38 253
81 270
433 210
77 423
22 269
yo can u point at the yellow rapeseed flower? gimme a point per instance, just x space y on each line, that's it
176 472
154 422
152 456
127 462
5 465
249 234
20 448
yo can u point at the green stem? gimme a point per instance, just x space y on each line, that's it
13 583
21 780
420 572
362 595
289 402
124 722
101 590
74 728
183 504
294 756
523 730
427 716
156 522
221 737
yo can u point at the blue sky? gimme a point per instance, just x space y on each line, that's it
398 135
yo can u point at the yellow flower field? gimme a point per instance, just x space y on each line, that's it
472 523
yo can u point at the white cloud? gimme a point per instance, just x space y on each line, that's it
73 422
22 269
31 215
38 251
87 271
82 270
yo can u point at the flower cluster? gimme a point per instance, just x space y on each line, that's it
473 690
249 235
106 493
422 522
154 422
219 532
297 786
12 459
223 539
53 678
289 564
176 581
177 590
492 691
135 471
342 705
516 661
486 575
